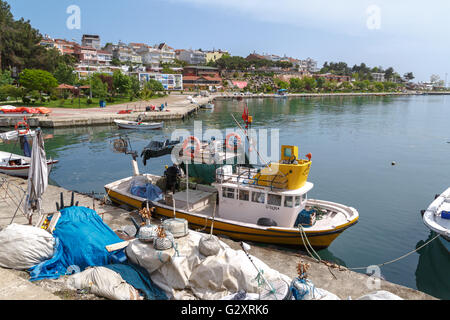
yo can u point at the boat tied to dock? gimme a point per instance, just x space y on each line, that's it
268 205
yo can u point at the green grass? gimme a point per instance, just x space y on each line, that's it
73 104
79 104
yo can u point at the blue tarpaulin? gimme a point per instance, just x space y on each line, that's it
149 192
81 237
139 278
304 218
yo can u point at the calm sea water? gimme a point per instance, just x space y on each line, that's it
353 141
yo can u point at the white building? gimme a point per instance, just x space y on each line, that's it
153 57
308 65
378 76
169 81
92 41
192 57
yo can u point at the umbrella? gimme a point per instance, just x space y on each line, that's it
37 176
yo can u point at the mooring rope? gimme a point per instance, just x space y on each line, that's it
306 243
401 257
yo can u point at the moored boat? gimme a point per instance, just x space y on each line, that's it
267 206
18 166
437 217
124 124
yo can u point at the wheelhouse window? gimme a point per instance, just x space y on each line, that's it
228 193
244 195
298 201
289 202
258 197
274 200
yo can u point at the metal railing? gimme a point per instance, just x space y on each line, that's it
248 175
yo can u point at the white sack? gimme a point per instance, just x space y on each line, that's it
229 272
104 282
22 247
207 278
380 295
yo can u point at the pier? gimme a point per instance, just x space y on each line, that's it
340 281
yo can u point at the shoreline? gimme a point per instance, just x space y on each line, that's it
178 109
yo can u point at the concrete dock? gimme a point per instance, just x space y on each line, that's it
178 108
343 283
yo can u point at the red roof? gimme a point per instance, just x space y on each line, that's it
195 78
65 86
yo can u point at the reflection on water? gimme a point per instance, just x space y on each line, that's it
353 141
432 273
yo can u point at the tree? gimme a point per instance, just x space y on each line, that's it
39 80
379 87
320 82
9 90
434 78
99 89
296 84
409 76
309 83
135 87
65 74
122 83
5 78
116 62
389 73
154 85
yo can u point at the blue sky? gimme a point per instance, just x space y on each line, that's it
407 35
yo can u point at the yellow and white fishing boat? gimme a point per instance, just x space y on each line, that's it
267 206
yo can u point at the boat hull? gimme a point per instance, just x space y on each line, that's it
22 171
236 230
436 223
144 126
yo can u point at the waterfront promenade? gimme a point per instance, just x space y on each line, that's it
178 108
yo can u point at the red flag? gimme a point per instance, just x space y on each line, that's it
245 115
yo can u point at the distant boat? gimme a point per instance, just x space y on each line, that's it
18 166
123 124
208 106
437 217
157 149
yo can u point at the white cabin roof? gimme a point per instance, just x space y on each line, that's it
242 186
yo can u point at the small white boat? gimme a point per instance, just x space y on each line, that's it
13 135
18 166
208 106
123 124
437 216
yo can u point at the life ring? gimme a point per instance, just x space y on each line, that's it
228 140
22 131
188 149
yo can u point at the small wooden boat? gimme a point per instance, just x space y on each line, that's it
251 205
124 124
437 217
18 166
